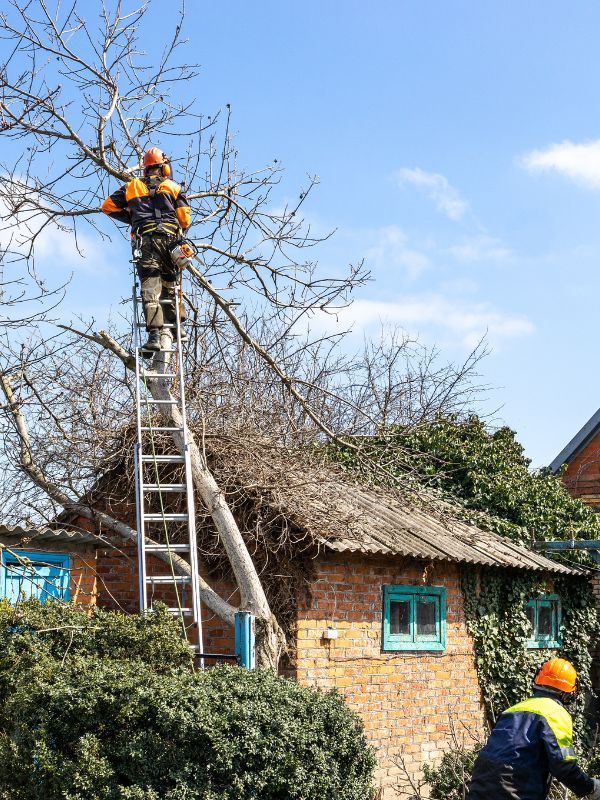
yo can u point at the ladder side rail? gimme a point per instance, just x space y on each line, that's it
191 508
193 549
141 540
139 468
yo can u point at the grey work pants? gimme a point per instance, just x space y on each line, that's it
158 278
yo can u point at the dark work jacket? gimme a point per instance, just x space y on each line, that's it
145 206
530 743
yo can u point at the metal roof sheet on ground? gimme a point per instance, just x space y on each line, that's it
339 514
47 534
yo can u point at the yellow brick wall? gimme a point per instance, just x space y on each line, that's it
410 701
84 582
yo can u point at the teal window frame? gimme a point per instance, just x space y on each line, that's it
59 583
539 641
412 640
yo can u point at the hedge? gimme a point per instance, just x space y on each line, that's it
109 708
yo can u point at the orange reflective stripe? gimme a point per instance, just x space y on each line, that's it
170 187
136 188
184 216
109 206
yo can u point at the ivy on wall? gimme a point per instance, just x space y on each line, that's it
495 608
489 480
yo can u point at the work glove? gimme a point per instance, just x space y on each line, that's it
595 793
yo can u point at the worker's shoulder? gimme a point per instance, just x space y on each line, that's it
170 187
136 187
545 707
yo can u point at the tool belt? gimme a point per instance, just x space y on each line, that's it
158 229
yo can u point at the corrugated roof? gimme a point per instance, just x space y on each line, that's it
330 508
336 512
46 534
392 528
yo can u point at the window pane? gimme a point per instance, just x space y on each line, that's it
426 609
39 580
530 617
545 619
400 617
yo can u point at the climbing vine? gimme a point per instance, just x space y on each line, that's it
485 475
495 609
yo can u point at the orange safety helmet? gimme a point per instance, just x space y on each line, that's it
559 674
156 157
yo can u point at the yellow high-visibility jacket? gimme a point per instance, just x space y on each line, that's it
531 742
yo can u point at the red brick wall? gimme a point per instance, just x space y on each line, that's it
582 480
408 700
118 589
83 577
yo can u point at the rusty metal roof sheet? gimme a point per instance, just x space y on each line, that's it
42 534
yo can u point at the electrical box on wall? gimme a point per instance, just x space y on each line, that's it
330 633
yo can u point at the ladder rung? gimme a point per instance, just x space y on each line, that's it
164 517
166 325
167 487
153 375
181 610
159 428
162 302
169 579
173 349
158 402
162 459
163 548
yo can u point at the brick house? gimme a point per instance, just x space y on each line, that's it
582 459
366 583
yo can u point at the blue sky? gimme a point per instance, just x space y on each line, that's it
458 149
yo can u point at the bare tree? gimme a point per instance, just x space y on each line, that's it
68 421
83 102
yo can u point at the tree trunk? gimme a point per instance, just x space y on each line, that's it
270 640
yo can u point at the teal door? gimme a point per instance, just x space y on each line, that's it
39 575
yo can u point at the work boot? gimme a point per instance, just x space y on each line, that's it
152 344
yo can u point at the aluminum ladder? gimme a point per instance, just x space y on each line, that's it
155 494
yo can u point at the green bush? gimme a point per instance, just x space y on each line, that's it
449 780
88 713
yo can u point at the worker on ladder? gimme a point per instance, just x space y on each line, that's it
533 742
158 212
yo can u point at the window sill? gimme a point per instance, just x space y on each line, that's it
552 644
408 647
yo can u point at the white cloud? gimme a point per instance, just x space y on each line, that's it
447 199
480 248
54 245
59 248
450 321
579 162
391 251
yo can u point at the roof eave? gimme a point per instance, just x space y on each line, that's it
577 443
